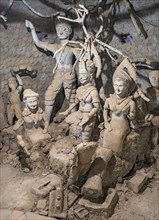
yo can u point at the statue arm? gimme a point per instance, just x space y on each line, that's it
132 112
105 113
106 117
43 45
67 112
23 144
94 110
96 104
72 105
20 82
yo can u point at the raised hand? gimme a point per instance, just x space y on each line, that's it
29 25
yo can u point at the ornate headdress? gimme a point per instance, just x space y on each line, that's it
125 72
87 66
154 73
29 93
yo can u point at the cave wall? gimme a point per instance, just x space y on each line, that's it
17 47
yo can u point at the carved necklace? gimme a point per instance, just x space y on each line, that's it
83 92
120 100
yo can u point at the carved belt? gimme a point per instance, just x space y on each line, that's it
64 70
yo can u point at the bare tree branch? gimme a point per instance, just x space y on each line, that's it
135 19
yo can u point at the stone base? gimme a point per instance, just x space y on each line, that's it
107 207
60 155
58 204
137 182
92 189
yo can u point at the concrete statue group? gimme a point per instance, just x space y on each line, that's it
120 112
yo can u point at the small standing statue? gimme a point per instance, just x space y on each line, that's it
153 105
82 121
63 71
153 92
14 108
119 111
30 127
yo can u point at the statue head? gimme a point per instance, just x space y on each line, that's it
120 87
30 99
154 78
63 30
123 77
12 83
86 71
121 83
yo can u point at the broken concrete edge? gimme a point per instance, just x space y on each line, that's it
137 182
8 214
58 204
44 185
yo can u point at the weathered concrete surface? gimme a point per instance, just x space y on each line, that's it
6 214
142 206
44 185
15 189
58 157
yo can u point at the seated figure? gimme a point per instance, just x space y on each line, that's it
119 112
118 154
82 121
29 126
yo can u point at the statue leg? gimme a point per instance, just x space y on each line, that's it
18 110
87 130
50 96
10 114
70 88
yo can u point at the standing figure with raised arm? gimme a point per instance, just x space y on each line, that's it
14 108
63 71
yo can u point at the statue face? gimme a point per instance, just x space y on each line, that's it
154 80
84 78
63 31
120 88
12 85
32 103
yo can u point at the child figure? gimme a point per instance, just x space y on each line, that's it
14 108
153 106
153 92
